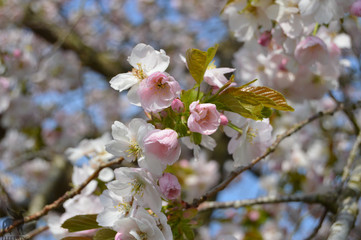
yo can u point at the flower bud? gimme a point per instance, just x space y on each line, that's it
224 120
355 9
265 38
177 105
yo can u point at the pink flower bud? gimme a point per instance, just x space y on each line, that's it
355 9
169 186
224 120
177 105
265 38
204 118
310 50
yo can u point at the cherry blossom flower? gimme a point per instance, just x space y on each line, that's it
158 91
161 148
139 184
128 141
144 226
204 118
252 142
215 76
145 61
169 186
177 105
310 50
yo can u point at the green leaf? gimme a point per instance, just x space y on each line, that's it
105 234
188 96
269 97
196 138
266 112
81 222
198 62
245 107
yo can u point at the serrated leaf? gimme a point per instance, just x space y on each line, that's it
105 234
269 98
81 222
247 108
198 61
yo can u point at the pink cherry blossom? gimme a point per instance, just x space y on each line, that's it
356 8
310 50
161 148
265 38
204 118
169 186
158 91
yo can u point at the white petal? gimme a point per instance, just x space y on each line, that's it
133 96
123 81
208 142
106 175
308 7
120 131
108 217
121 187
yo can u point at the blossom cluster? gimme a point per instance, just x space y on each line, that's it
291 45
132 198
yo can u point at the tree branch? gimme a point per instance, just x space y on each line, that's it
351 158
319 225
271 149
324 198
348 207
69 194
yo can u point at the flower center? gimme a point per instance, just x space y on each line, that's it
139 73
138 186
134 150
251 134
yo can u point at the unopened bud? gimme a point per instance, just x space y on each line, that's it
177 105
224 120
355 9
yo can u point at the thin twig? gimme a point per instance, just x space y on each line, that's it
35 232
319 225
271 149
351 158
316 198
69 194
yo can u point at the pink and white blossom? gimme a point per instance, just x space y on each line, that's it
158 91
215 76
204 118
139 184
145 61
161 148
169 186
311 50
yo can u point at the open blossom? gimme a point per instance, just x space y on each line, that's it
139 184
204 118
157 91
145 61
143 226
215 76
169 186
128 141
161 148
310 50
255 138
